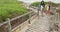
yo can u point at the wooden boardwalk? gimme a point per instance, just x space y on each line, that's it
41 25
47 23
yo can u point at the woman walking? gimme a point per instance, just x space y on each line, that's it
42 5
48 8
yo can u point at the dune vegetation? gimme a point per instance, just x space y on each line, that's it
11 9
36 4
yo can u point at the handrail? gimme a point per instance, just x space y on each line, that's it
19 26
55 21
12 25
15 18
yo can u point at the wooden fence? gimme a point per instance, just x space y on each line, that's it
18 23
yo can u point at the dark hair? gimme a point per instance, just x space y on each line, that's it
42 3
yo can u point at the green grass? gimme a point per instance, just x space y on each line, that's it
36 4
11 9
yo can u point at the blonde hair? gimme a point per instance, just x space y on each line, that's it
49 2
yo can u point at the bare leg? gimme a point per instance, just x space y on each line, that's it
42 12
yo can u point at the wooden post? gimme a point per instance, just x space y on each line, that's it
38 13
9 25
29 18
58 16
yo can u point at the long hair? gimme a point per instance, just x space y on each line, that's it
42 3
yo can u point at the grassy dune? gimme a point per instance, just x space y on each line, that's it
11 9
38 3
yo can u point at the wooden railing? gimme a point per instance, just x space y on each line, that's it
17 23
55 21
